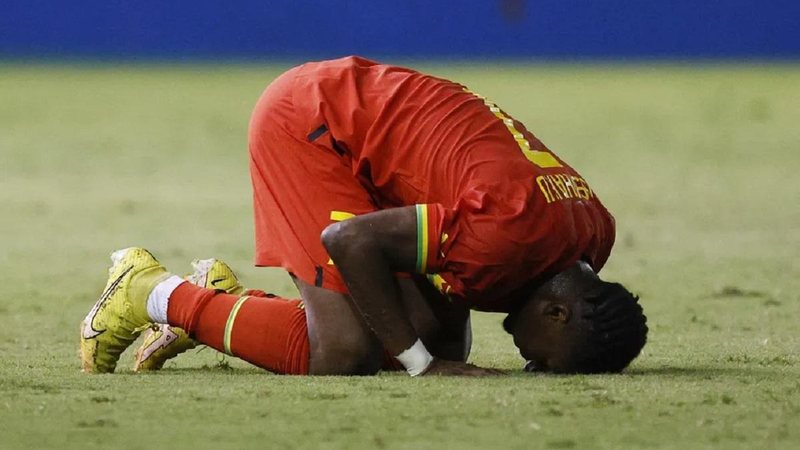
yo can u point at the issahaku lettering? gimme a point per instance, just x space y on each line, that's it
562 186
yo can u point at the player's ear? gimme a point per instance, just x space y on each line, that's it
557 312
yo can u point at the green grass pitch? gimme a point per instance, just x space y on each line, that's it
698 164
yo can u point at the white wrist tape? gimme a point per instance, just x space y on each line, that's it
415 358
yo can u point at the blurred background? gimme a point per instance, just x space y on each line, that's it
125 123
468 29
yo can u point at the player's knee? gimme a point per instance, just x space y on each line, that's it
332 237
343 237
347 356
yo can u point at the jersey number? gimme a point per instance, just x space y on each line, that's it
541 158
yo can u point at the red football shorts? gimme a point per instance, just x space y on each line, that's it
299 188
484 244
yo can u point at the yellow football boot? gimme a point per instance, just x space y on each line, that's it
163 342
121 312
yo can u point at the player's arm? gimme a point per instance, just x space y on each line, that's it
443 326
368 250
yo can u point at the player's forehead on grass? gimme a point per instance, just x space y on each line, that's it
577 323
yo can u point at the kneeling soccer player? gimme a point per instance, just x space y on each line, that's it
361 171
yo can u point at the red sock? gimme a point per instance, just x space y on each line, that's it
269 332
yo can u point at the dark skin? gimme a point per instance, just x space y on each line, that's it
550 323
444 327
342 344
368 250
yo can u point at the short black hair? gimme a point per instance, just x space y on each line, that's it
615 334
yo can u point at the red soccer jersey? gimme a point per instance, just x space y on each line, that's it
503 211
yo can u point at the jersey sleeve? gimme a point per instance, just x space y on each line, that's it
432 220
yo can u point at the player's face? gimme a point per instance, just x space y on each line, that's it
546 331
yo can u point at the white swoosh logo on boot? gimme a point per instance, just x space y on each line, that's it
89 330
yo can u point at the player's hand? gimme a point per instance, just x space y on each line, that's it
458 368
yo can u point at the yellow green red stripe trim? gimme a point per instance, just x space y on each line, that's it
422 238
229 324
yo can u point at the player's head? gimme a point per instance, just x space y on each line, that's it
578 323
